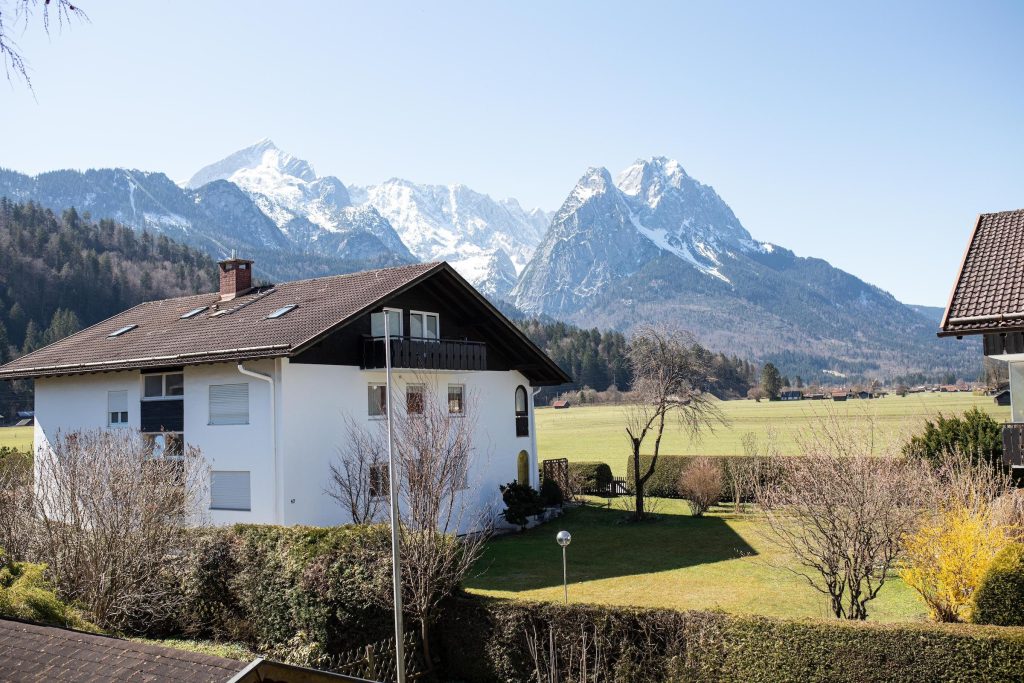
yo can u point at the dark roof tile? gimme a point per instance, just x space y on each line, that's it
989 292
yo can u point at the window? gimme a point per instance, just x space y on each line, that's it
522 412
281 311
194 312
456 399
119 332
229 404
424 325
394 322
379 480
229 491
377 400
414 399
117 408
164 385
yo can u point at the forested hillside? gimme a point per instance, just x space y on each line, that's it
61 273
598 360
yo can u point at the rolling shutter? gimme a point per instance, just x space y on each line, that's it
229 491
229 404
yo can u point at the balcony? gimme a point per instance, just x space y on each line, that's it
1013 444
425 354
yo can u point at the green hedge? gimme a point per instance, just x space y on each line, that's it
999 599
266 585
591 474
489 640
664 483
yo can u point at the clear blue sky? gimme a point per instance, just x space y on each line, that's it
869 134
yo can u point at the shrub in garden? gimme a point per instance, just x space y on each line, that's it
975 433
946 558
500 640
999 599
701 484
26 594
521 502
589 476
551 493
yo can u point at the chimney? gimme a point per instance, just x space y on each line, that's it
235 277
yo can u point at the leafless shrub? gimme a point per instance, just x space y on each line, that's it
16 519
842 512
1008 511
434 449
669 381
576 659
701 484
356 474
111 518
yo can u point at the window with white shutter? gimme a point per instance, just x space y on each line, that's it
117 408
229 491
229 404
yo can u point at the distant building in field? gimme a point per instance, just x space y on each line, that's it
840 395
559 405
792 395
1002 398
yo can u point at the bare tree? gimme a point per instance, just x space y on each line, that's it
669 382
443 530
111 516
20 12
842 512
16 520
358 475
701 484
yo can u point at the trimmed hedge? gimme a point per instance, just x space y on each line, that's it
664 483
489 640
999 599
267 586
590 475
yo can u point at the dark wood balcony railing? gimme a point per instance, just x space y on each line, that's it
426 354
1013 444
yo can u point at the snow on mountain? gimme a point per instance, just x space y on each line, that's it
313 212
479 235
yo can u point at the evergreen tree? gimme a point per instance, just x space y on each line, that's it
33 340
799 382
771 381
63 324
5 345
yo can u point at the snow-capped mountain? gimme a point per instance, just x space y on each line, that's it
655 244
478 235
314 213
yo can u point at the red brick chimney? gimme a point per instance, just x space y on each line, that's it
235 277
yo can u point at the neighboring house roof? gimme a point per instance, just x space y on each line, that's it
988 295
239 329
29 652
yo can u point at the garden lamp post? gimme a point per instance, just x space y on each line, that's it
396 544
564 538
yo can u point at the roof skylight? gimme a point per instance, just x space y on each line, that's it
194 312
119 332
281 311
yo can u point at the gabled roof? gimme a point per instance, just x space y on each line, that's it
154 334
988 295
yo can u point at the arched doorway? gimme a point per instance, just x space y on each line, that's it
523 468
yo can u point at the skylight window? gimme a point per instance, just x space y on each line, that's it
281 311
126 328
194 312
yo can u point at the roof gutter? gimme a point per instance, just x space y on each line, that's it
278 483
145 359
992 317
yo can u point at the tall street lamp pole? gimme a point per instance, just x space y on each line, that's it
564 538
396 541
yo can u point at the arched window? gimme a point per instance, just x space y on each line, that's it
523 468
522 412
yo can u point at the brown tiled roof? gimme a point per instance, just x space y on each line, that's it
989 292
242 332
29 652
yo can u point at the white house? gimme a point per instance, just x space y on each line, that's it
988 300
260 379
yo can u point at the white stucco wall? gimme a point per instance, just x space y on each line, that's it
311 401
1016 391
313 428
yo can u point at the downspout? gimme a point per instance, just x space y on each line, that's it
278 483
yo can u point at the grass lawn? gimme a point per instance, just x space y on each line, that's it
720 561
16 437
597 432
